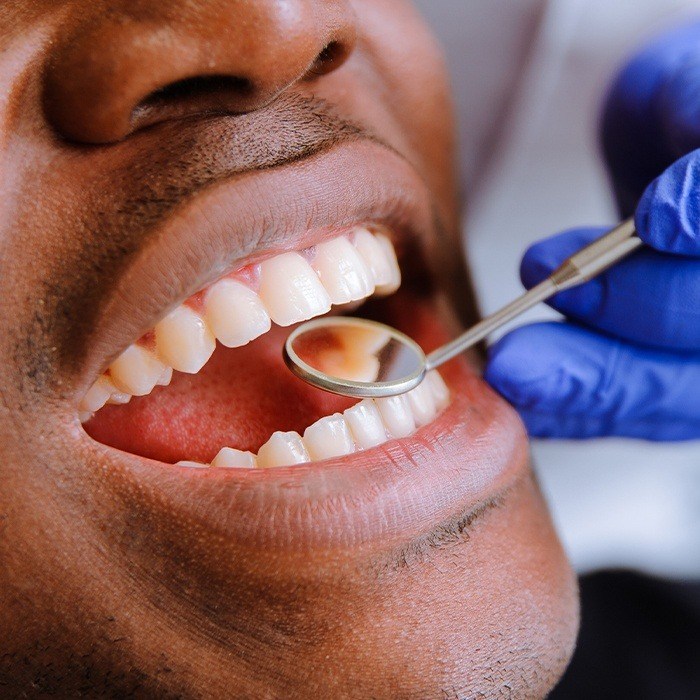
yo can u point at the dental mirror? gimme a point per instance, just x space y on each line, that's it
365 359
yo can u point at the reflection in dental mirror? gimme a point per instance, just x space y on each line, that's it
355 357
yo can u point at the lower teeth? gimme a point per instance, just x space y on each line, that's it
369 423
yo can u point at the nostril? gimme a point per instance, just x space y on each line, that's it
205 93
330 58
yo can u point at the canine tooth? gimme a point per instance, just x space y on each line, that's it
235 313
136 371
397 416
283 449
372 252
184 341
422 403
390 260
365 423
97 395
344 274
291 290
329 437
438 388
191 465
228 457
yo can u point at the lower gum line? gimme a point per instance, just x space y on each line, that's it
367 424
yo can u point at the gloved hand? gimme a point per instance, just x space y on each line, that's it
627 360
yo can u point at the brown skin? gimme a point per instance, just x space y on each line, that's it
117 579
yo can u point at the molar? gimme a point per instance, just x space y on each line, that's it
184 341
235 313
291 290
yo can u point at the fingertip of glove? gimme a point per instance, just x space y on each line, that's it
518 365
668 214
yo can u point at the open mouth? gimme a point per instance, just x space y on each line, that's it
207 385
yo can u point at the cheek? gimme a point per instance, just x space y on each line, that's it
411 65
499 608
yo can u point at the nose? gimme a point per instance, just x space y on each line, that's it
148 61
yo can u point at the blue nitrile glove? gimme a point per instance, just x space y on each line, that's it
627 362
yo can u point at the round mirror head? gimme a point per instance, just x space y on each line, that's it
354 357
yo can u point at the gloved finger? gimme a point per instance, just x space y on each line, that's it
652 113
668 214
569 382
649 298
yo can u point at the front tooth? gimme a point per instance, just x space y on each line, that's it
235 313
230 458
422 404
329 437
136 371
374 255
365 423
344 274
291 290
438 388
183 340
97 395
397 416
283 449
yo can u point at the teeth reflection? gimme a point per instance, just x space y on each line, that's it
329 437
283 449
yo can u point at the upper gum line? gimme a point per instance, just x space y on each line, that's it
287 288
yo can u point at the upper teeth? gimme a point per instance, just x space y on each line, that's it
286 289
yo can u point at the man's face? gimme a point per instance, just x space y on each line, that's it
148 150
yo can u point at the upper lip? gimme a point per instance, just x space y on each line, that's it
246 217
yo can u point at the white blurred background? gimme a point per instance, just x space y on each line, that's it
529 79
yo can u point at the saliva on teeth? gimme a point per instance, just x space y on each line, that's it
285 289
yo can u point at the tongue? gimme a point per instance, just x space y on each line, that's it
238 399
